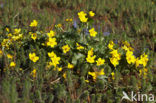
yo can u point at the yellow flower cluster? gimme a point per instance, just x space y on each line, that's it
6 43
90 57
131 59
17 37
142 60
92 32
126 46
96 74
82 16
115 57
33 57
54 59
11 38
65 48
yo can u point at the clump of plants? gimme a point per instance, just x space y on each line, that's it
77 65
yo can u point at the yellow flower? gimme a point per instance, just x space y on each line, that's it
146 70
100 62
114 61
12 64
33 73
64 75
129 53
5 43
87 81
70 66
111 45
20 69
69 20
34 36
143 72
9 35
82 16
34 23
58 25
65 48
51 34
43 44
126 43
91 13
90 52
113 77
131 49
59 69
17 37
96 74
130 57
9 56
92 32
125 48
93 74
144 59
91 59
115 54
7 29
101 72
78 30
137 62
49 64
17 31
79 47
1 52
51 42
55 61
33 57
52 54
115 57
